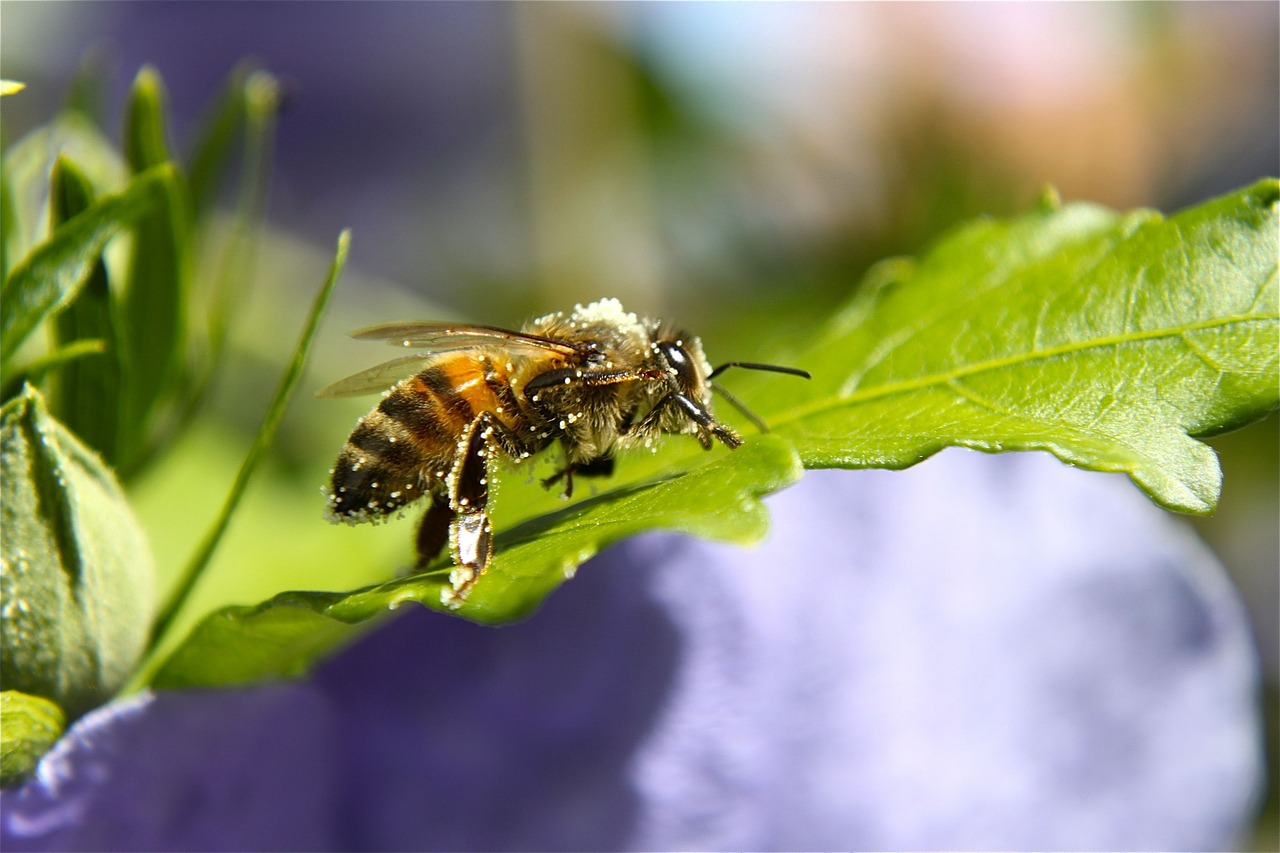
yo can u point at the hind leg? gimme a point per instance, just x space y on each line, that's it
433 531
470 530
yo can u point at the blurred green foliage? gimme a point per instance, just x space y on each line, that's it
108 338
121 284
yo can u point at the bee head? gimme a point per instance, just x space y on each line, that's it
682 356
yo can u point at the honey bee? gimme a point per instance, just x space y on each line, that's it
597 380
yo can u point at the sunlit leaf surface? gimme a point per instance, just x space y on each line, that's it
1108 339
1112 340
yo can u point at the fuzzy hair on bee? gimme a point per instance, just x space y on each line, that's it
597 381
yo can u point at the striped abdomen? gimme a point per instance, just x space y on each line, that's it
406 446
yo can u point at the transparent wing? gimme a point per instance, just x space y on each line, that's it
377 378
439 337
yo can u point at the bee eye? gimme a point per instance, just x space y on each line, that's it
678 360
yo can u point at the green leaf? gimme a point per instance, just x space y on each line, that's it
146 127
8 226
87 396
249 105
288 384
1107 339
153 327
34 371
76 576
719 500
29 725
29 162
212 153
51 276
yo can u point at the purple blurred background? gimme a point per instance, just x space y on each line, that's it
738 166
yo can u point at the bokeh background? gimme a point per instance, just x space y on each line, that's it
737 166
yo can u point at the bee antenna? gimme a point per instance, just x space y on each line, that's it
740 406
751 365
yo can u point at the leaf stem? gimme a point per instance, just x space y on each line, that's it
288 383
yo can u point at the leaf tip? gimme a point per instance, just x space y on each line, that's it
1049 199
11 87
147 80
262 91
1267 192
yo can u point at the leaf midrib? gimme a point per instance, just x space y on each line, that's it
929 380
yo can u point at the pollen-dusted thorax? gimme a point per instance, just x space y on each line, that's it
593 416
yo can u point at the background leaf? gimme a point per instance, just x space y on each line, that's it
77 580
29 725
154 317
87 394
51 276
30 160
247 108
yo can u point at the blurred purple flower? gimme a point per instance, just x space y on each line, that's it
980 652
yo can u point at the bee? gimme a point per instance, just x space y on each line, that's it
598 380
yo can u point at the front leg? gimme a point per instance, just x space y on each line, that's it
707 425
590 378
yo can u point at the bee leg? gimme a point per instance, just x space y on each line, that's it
601 466
433 531
470 530
566 474
590 378
471 534
708 426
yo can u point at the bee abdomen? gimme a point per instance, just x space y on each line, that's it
380 470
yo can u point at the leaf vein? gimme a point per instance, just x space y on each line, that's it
1203 355
904 386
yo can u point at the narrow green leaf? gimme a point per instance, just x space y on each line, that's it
51 276
8 225
288 384
87 93
282 637
29 725
211 154
70 193
36 370
30 160
146 141
87 395
153 323
254 107
76 577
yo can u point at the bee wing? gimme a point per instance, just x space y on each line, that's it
439 337
377 378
